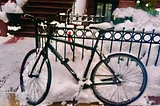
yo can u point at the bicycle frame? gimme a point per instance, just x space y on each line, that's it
117 64
64 61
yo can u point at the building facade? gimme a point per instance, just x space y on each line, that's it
94 6
106 7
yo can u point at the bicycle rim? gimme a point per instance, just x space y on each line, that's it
36 88
129 70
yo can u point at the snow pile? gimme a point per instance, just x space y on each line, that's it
154 55
11 8
64 87
153 81
21 2
141 20
3 17
101 25
122 13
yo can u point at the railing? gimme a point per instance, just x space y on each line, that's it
144 45
76 19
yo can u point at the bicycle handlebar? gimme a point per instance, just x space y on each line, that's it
29 16
38 20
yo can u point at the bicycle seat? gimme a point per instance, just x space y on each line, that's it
101 26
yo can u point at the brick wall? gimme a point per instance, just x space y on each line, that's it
90 7
158 4
122 3
126 3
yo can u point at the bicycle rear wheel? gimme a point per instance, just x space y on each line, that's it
123 86
36 86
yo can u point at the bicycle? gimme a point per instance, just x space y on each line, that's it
118 79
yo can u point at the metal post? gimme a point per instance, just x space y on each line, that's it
152 36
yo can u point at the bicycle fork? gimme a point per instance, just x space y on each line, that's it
39 71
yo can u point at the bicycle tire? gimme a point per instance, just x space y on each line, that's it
30 86
126 67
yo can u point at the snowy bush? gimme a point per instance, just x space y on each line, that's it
11 8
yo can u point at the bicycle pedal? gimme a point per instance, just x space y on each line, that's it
86 86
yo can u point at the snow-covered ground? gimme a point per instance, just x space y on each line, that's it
64 89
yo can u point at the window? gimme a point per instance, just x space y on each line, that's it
158 9
104 9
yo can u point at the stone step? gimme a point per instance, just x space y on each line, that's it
50 9
22 33
44 9
51 3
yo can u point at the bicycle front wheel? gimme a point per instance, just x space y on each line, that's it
35 85
119 80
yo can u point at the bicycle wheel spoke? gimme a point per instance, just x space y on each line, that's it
137 82
134 76
125 85
37 83
39 88
125 94
113 94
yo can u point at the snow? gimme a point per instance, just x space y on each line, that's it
101 25
141 20
121 13
11 8
21 3
14 28
64 89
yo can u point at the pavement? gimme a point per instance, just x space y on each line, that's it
12 52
